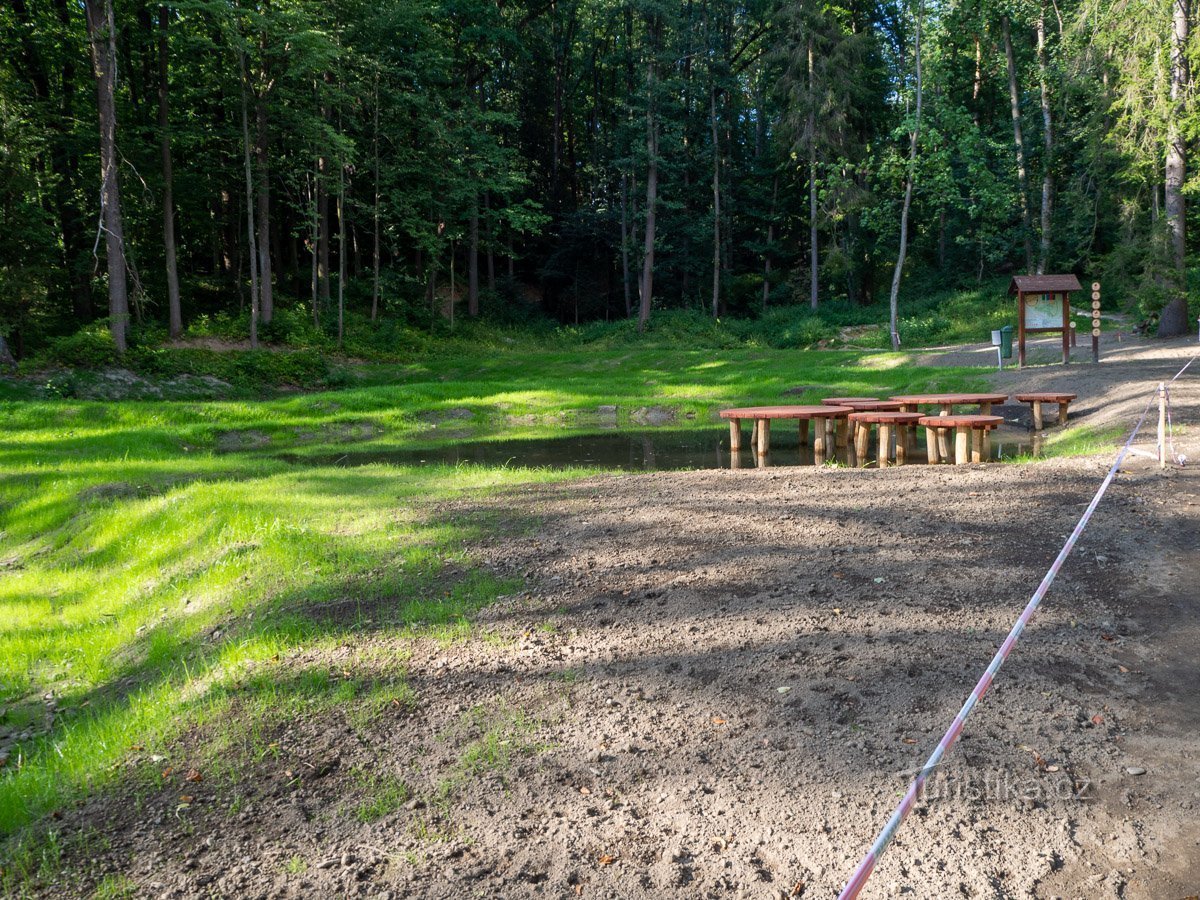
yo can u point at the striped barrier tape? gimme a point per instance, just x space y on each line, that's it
867 865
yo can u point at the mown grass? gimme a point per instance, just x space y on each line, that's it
161 566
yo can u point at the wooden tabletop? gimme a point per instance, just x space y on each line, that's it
848 401
951 399
1046 397
873 405
786 412
884 417
961 421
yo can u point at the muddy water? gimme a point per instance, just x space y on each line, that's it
650 450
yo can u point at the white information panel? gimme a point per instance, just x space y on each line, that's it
1043 311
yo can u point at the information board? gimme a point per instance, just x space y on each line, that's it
1043 311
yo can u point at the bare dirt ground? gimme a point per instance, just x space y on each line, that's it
719 683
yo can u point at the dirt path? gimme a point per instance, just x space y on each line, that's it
718 683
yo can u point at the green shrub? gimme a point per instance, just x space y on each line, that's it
90 348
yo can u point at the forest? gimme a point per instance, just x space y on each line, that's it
294 164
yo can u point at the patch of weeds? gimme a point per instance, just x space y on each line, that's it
429 832
115 887
28 860
381 795
389 698
568 676
297 865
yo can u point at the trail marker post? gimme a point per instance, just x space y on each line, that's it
1095 321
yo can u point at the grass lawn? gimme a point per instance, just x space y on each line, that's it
158 562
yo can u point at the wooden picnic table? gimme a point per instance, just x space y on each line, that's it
971 443
1036 400
945 404
832 416
889 422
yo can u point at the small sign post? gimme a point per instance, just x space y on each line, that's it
1044 306
1095 321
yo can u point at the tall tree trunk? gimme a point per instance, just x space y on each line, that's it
473 261
101 35
716 276
1014 97
250 230
625 239
375 249
908 190
814 259
341 214
977 85
651 178
164 124
491 242
314 239
266 308
1048 149
1173 320
766 286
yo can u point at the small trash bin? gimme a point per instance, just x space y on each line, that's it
1002 339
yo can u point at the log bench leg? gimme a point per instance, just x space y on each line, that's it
985 409
842 428
819 437
977 444
962 440
830 435
985 445
943 439
804 432
902 435
735 435
1062 413
862 442
885 444
1037 415
931 449
764 436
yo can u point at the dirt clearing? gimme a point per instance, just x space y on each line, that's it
719 684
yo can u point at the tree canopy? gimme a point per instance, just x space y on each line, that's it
585 158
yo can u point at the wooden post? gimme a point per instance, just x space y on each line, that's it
819 438
985 446
1095 321
931 448
1021 329
764 437
1162 425
1074 334
1062 412
735 435
842 426
943 441
804 432
885 444
1066 335
962 437
985 409
1037 415
830 441
901 444
977 444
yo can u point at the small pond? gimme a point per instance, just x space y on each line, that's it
634 451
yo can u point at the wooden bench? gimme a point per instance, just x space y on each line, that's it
971 440
900 422
1036 401
946 403
828 418
863 404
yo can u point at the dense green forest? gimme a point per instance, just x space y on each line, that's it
312 164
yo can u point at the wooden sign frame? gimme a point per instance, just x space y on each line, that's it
1053 286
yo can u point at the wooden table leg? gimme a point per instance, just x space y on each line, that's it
977 444
819 437
764 436
842 427
830 440
1062 413
804 432
962 441
902 433
985 449
735 435
943 440
931 450
862 442
885 444
1037 415
985 409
